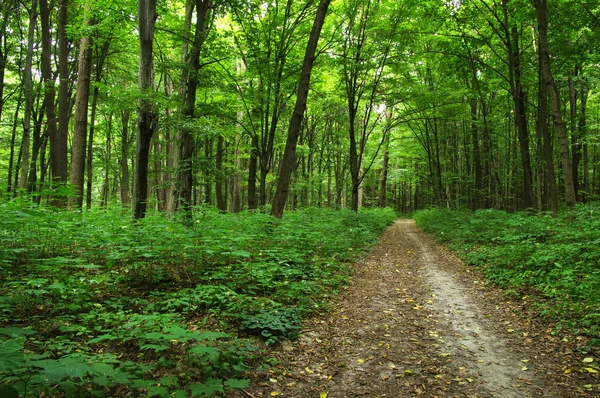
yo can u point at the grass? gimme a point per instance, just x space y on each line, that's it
557 259
93 304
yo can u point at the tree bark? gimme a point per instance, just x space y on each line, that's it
81 117
56 161
575 143
147 118
252 169
221 203
59 150
541 8
125 195
186 149
287 164
28 87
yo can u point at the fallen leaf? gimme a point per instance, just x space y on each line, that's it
273 380
510 330
274 393
323 394
591 370
588 360
360 360
309 370
523 367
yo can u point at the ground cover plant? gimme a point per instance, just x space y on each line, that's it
553 258
93 304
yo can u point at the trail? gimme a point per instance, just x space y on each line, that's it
415 322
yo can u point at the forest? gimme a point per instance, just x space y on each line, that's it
149 149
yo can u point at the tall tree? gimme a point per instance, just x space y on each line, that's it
147 117
82 96
541 8
289 155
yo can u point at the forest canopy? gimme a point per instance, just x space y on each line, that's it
470 104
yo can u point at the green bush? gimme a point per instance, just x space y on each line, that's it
155 308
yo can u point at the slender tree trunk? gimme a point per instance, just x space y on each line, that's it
221 204
575 143
252 170
13 138
125 196
186 149
59 149
90 141
289 155
81 117
105 183
542 19
56 159
583 135
384 171
28 87
147 118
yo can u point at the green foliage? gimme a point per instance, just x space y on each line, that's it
153 308
557 258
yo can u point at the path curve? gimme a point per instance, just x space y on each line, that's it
412 323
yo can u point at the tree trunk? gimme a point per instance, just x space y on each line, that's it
13 139
252 170
81 117
384 171
186 149
147 118
49 95
575 143
90 141
125 196
28 87
59 150
289 154
541 8
221 203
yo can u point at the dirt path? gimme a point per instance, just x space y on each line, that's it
416 322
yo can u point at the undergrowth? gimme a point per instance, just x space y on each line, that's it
93 304
556 259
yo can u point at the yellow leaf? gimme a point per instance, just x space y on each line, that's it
273 380
525 360
292 384
308 370
523 367
567 371
591 370
274 393
360 361
408 371
510 330
323 394
588 360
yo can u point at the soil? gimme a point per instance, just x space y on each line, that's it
416 322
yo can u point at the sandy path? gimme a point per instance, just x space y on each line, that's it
414 322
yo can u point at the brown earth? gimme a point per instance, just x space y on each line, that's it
417 322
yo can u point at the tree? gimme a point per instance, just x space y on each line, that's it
541 8
80 125
287 164
147 118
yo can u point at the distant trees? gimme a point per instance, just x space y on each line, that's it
474 104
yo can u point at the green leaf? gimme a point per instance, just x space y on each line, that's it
10 353
158 390
212 352
211 387
77 369
12 331
237 383
102 368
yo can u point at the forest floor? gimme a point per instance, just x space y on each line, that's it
416 322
